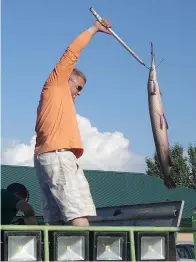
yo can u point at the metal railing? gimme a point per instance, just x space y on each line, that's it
131 230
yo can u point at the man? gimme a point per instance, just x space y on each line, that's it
14 199
65 191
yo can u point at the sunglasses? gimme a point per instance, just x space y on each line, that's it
79 88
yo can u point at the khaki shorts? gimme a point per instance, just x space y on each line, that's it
65 192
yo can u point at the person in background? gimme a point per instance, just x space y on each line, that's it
13 199
65 192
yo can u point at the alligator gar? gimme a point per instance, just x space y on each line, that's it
159 125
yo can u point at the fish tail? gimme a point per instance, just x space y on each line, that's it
169 183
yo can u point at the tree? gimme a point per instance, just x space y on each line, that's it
183 169
192 163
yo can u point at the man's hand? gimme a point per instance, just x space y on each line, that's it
100 27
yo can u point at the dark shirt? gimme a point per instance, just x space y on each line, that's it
8 206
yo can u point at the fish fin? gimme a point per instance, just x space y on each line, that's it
169 182
170 159
154 89
153 92
161 122
167 126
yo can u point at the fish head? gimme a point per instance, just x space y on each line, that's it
152 73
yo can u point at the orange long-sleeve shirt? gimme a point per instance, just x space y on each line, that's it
56 125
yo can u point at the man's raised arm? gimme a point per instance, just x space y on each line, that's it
68 60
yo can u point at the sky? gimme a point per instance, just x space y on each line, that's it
112 111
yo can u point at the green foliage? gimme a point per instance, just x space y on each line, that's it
192 163
183 168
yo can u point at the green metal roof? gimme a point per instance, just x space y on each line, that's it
108 188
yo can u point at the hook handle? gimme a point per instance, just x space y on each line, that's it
99 18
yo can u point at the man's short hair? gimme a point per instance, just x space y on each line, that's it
19 189
79 73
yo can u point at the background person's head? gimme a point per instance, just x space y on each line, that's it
19 190
77 81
